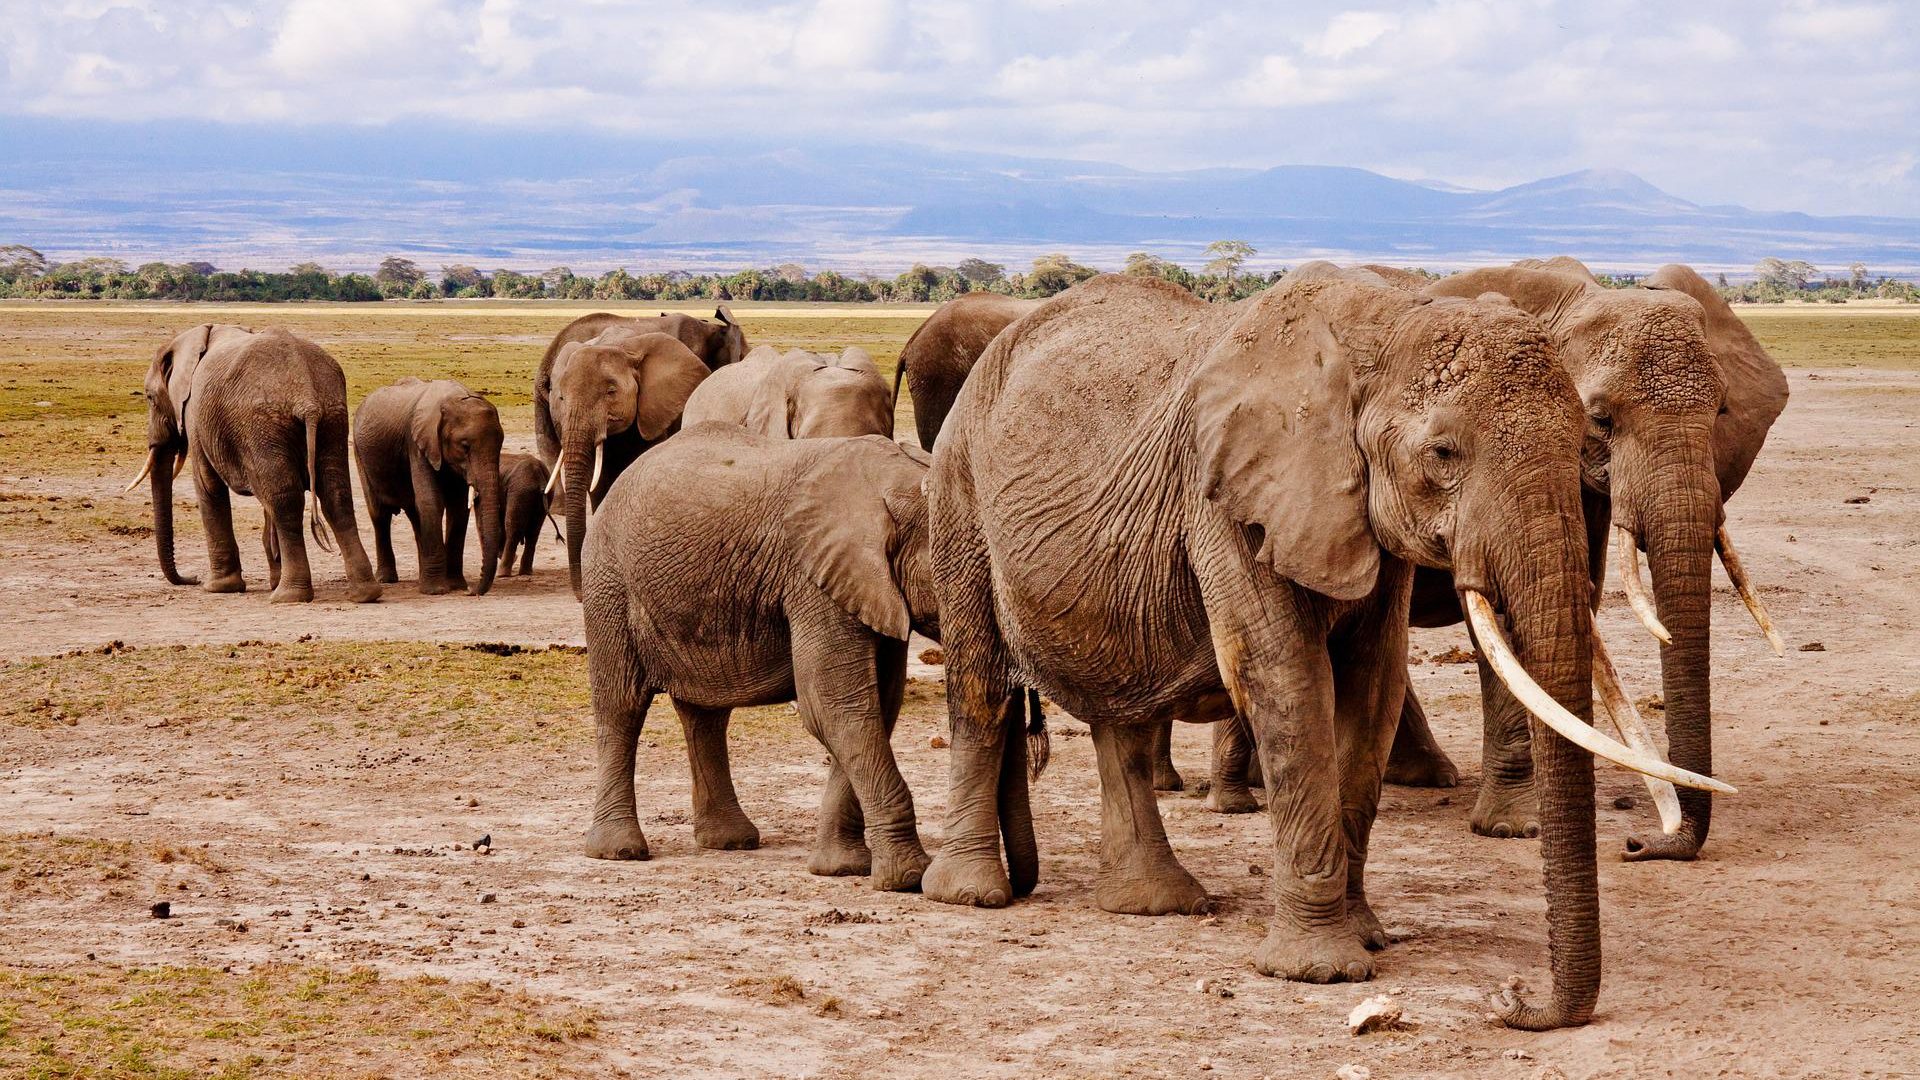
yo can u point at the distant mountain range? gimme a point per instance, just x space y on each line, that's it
347 197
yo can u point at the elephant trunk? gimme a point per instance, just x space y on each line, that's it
165 458
576 471
1540 578
489 508
1677 521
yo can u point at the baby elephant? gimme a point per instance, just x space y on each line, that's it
729 570
525 478
796 395
420 445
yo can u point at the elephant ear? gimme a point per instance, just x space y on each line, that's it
1273 412
840 526
1544 293
770 410
429 415
174 365
733 340
1756 388
855 358
667 373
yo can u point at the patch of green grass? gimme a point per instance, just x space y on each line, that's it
1887 341
95 1020
382 692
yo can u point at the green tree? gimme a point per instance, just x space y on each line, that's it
1055 273
1784 274
398 276
19 262
980 272
462 280
1858 272
1226 256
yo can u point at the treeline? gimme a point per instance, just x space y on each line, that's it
26 273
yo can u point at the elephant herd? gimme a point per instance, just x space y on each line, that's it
1145 506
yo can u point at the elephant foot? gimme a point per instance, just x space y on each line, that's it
1366 925
1682 846
1506 812
1325 956
290 593
617 840
1163 889
726 832
363 592
457 584
433 588
977 882
1231 799
1422 770
1167 778
899 867
226 583
840 858
387 575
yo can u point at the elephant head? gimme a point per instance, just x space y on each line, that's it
1341 416
726 342
169 384
1678 398
858 525
622 388
455 428
808 396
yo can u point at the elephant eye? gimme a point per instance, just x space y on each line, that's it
1601 421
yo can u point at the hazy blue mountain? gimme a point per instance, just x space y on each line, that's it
347 197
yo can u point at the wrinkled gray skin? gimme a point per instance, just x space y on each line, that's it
422 447
1678 398
727 570
797 395
524 479
264 415
936 359
621 392
1232 503
717 344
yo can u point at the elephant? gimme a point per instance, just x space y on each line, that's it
524 478
728 570
613 397
421 447
1232 504
262 414
936 359
717 344
797 395
1678 399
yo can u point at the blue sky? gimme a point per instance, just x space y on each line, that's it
1802 106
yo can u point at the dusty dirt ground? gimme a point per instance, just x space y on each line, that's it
340 834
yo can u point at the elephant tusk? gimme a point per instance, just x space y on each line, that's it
1500 657
599 461
1636 588
1633 731
1737 573
145 471
553 479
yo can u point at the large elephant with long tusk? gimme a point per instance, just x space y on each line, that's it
1677 397
1151 507
613 397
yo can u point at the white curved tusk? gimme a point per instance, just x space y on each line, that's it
145 471
599 461
1500 657
553 479
1737 573
1635 588
1633 731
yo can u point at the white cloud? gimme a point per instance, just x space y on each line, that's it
1725 100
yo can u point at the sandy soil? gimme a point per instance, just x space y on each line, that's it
1788 951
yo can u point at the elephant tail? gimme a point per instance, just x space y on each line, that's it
899 371
321 534
1039 743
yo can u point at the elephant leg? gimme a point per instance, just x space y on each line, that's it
1165 776
455 498
1138 873
389 570
840 844
718 821
295 584
216 520
1417 760
508 551
1508 806
270 543
1228 791
620 701
1370 686
836 677
430 515
526 552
